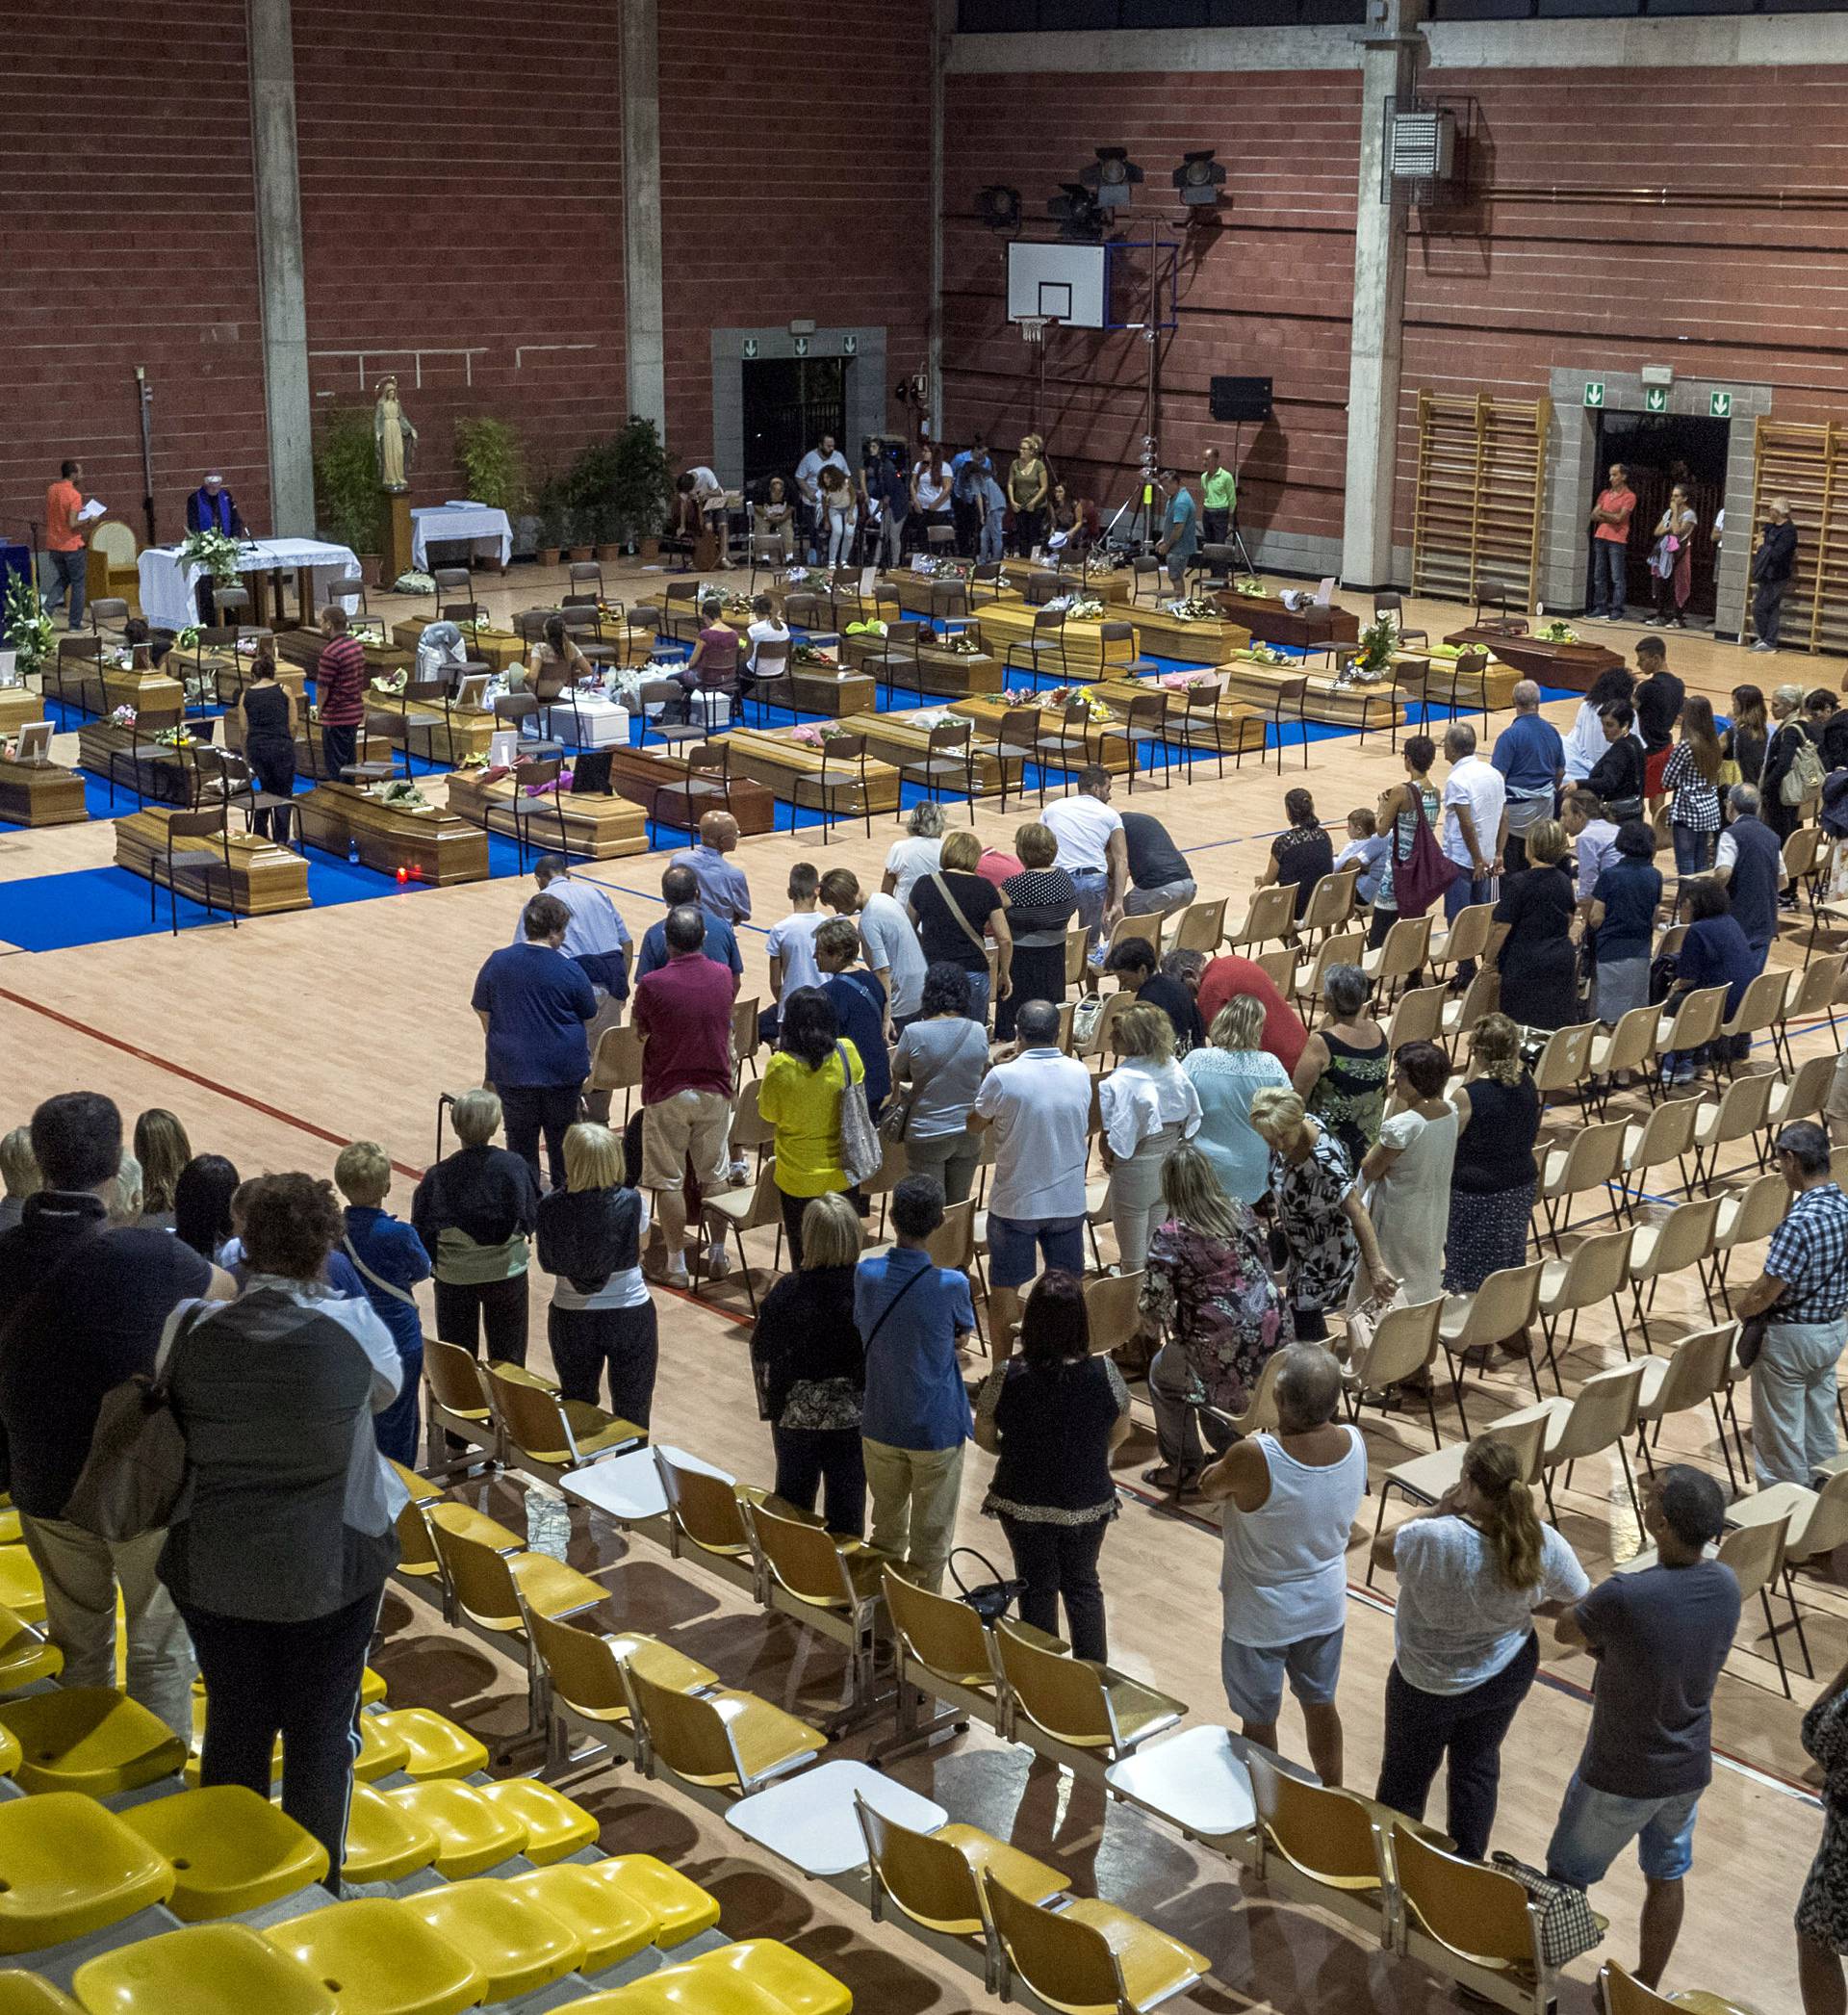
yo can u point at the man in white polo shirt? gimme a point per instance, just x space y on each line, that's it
1039 1105
1092 850
1476 800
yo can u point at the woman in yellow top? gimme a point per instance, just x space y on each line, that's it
1029 490
800 1097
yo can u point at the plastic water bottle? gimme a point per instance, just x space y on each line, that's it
352 851
547 1524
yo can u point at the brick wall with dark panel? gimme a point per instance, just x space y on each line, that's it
1692 218
796 171
127 236
1267 292
462 223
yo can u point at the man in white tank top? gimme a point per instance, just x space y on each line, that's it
1290 1500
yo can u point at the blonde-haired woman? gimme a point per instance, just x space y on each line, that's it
590 1240
1474 1571
1326 1232
1538 961
1493 1178
1210 1292
475 1211
810 1370
1226 1073
163 1149
1149 1106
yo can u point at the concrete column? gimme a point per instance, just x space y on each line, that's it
1387 69
645 334
284 297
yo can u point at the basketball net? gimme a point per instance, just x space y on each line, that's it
1033 327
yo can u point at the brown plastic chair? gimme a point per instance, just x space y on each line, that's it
1090 1955
828 1580
1505 1303
559 1435
617 1066
705 1514
1323 1836
584 1677
1697 1374
1080 1706
723 1741
457 1402
1404 1345
1475 1915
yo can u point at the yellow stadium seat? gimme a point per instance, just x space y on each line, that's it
8 1525
434 1746
472 1835
26 1993
9 1752
380 1751
89 1739
751 1977
555 1826
384 1843
69 1868
20 1589
608 1924
379 1959
204 1970
679 1907
371 1688
26 1655
422 1490
232 1851
518 1946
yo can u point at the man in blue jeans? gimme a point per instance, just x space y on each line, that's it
1660 1635
1039 1104
1610 547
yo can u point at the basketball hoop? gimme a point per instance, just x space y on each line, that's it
1033 327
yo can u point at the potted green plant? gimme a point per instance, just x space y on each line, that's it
639 484
493 463
26 629
551 511
589 492
350 506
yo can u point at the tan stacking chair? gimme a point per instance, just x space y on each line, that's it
1424 1478
1630 1046
1480 998
1472 1922
1084 1712
1199 927
584 1678
457 1402
1801 1094
829 1584
1755 1551
934 1879
1113 1308
1330 905
1565 1061
1593 1156
1100 1042
1816 992
1279 966
723 1741
617 1066
1738 1114
942 1651
1666 1135
1624 1995
1467 938
1405 1344
704 1513
1818 1519
1681 1242
1602 1414
1417 1018
1694 1375
1505 1303
1696 1023
1747 1216
1401 955
1597 1271
741 1210
1762 1007
1338 948
553 1435
1270 919
1317 1844
1090 1955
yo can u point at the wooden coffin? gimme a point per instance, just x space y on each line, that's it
265 878
1301 628
1575 667
40 794
434 845
792 770
599 827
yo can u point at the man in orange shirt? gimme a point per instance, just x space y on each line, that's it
1610 547
65 541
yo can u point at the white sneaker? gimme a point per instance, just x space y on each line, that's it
740 1172
677 1276
718 1261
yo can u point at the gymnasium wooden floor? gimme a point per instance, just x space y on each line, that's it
279 1042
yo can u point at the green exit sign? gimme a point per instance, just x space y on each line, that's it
1719 404
1594 390
1656 399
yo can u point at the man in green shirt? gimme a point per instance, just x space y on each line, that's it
1219 498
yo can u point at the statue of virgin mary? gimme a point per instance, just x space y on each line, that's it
394 437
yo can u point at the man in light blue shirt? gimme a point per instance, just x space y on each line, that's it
723 888
1532 762
913 1316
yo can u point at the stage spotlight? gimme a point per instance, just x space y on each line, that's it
1110 178
999 208
1080 216
1199 178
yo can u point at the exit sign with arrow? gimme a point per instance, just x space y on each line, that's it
1594 390
1656 399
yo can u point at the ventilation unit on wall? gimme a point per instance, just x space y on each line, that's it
1421 145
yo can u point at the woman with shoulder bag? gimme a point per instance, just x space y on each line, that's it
1055 1414
939 1064
954 909
278 1551
590 1239
801 1096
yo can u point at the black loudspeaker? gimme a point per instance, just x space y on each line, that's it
1240 397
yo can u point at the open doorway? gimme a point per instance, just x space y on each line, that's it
789 403
1661 450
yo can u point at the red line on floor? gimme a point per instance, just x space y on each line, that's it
209 1084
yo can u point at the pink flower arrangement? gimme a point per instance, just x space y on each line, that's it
810 738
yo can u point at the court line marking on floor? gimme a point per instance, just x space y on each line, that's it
181 1071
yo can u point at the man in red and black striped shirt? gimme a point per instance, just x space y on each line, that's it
339 692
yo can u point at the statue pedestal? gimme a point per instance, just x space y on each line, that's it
398 536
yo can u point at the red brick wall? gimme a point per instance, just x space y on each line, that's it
1526 279
1268 295
463 193
127 237
795 170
